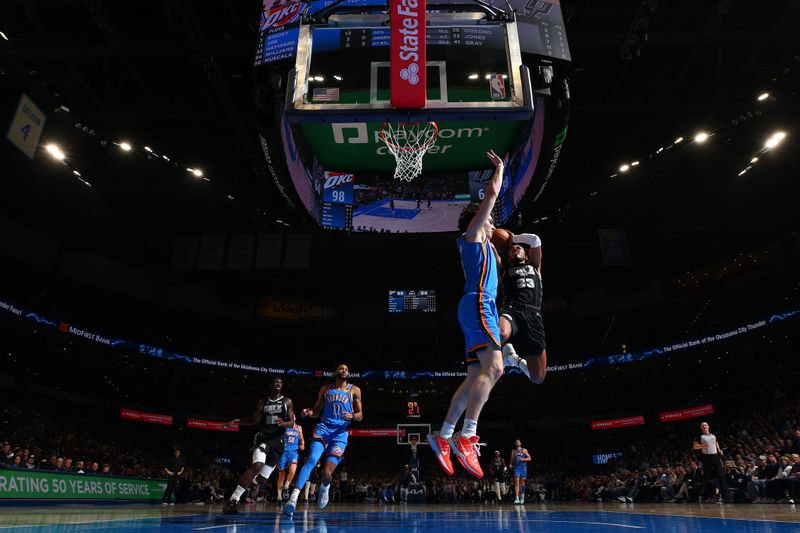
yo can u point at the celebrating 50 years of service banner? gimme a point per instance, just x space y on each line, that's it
33 485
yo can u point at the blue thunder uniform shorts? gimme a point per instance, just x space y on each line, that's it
334 438
521 470
477 316
289 457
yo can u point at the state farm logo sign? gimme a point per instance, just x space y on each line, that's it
408 53
278 14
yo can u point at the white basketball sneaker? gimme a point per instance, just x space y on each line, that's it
324 491
510 358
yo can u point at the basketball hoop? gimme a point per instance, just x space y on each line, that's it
408 142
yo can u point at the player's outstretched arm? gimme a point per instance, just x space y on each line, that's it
251 420
475 231
314 413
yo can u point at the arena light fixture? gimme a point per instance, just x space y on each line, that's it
125 147
488 77
196 171
337 77
624 168
763 96
473 76
148 149
701 137
679 140
165 158
775 140
76 173
754 160
55 151
635 163
3 35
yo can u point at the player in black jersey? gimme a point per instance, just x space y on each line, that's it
521 316
497 469
273 415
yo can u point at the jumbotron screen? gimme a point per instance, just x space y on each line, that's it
422 301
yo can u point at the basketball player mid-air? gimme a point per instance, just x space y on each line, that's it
519 462
338 404
477 315
292 442
521 315
273 414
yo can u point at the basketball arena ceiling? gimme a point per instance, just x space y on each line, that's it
176 75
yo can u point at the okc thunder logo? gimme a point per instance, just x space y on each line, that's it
410 74
336 450
280 14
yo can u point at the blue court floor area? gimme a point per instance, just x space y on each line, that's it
664 518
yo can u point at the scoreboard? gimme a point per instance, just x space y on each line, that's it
337 200
423 301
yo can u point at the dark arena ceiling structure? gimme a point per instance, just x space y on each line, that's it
175 81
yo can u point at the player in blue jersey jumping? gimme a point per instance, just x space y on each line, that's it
477 315
293 442
338 404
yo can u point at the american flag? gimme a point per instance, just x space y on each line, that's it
326 94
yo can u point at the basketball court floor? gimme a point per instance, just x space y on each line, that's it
377 216
555 518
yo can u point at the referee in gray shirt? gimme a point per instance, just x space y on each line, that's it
711 458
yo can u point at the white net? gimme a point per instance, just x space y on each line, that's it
408 142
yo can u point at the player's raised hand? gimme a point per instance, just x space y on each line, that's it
306 413
493 189
494 158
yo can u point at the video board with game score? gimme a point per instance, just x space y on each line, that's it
422 301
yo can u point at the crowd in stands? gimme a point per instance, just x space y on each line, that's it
761 461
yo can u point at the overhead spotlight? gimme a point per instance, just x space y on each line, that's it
660 150
165 158
76 173
775 140
196 171
701 137
488 77
473 76
763 96
624 168
319 78
754 160
679 140
55 151
148 149
125 147
634 163
3 35
337 77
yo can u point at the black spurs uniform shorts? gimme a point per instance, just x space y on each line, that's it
268 448
527 329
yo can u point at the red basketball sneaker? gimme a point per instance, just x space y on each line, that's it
468 450
441 447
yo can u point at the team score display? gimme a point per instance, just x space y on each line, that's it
413 410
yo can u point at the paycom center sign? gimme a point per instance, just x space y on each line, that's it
21 484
